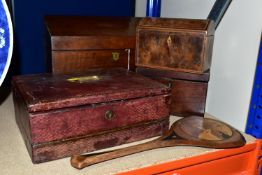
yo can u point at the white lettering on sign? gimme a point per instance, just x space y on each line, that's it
2 39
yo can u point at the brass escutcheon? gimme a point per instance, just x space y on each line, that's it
109 115
169 41
115 56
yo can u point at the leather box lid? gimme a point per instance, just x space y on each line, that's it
85 32
42 92
175 24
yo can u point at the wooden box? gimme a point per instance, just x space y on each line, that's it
189 91
78 43
63 115
183 45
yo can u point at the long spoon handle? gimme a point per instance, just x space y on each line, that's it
82 161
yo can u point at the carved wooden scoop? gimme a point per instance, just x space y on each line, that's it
191 131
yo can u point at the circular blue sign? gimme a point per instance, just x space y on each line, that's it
6 40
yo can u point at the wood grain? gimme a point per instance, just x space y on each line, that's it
65 62
189 91
175 44
187 131
75 43
150 72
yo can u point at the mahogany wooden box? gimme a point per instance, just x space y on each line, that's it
183 45
189 91
78 43
63 115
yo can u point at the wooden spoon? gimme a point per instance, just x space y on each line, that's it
189 131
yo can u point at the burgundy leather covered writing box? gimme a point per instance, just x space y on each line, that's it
62 115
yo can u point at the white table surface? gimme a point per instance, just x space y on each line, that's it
15 160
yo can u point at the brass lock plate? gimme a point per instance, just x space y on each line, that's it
169 41
115 56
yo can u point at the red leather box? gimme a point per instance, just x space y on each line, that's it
62 115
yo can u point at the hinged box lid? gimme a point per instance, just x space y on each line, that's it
42 92
91 32
175 24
